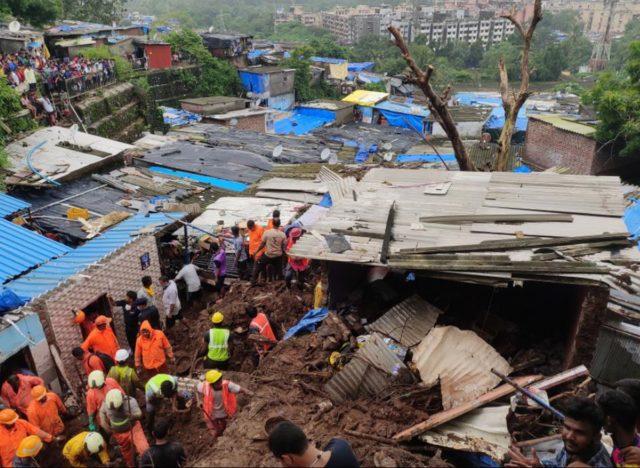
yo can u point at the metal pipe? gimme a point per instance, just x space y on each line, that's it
529 394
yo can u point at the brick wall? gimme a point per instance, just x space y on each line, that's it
253 122
547 146
116 274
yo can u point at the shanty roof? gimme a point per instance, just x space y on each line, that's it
266 70
568 125
22 249
10 205
327 104
476 224
365 98
50 275
212 100
77 42
76 27
57 153
403 108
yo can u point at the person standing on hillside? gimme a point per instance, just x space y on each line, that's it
274 244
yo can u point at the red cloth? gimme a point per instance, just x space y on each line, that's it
20 400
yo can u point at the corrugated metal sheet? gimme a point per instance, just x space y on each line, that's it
369 371
50 275
408 322
567 125
617 353
9 205
22 249
461 361
365 98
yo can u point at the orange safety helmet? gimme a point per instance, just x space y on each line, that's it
102 319
8 416
29 447
38 392
80 317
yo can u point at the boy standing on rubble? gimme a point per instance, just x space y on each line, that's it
620 413
581 436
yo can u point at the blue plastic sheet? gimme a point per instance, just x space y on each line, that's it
326 201
308 323
255 53
497 118
334 61
427 157
253 82
303 120
632 219
360 66
176 117
368 78
523 169
225 184
478 99
9 301
404 120
284 102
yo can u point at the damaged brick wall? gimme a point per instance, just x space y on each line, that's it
547 146
590 316
116 274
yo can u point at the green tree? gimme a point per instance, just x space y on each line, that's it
549 63
511 54
217 77
99 11
327 47
35 12
616 98
620 48
300 62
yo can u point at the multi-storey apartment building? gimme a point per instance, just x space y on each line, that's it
593 14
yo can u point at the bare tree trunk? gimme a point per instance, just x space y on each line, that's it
512 102
437 104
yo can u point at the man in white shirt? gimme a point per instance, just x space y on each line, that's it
189 273
170 301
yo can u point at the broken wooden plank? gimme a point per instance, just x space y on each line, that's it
515 244
562 377
445 416
498 218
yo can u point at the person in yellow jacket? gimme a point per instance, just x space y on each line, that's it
85 447
217 341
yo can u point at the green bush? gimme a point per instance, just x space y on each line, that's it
123 69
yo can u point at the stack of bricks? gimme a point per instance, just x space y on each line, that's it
116 274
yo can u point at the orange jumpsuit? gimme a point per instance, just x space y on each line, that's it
46 415
95 396
255 239
20 400
152 352
103 341
92 362
11 436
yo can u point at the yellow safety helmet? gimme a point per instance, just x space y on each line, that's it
213 376
96 379
114 398
8 416
30 446
94 443
218 317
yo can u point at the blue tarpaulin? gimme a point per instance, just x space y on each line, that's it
404 115
308 323
365 77
303 120
335 61
632 219
254 82
326 201
496 120
9 301
478 99
427 157
225 184
255 53
360 66
176 117
523 169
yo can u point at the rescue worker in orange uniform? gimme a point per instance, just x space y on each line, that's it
12 431
275 215
44 411
98 388
255 239
102 339
120 415
260 324
152 351
16 391
90 360
219 401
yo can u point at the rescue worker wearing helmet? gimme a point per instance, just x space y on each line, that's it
12 431
27 452
86 448
217 342
98 388
124 374
45 409
160 388
219 400
120 416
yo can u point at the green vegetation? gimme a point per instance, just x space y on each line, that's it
217 77
34 12
97 11
304 88
123 69
616 98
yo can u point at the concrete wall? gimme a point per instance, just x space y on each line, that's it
547 146
118 273
280 82
466 129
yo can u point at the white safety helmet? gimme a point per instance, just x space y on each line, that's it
114 398
94 443
96 379
122 355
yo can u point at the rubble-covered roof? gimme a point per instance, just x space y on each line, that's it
473 224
